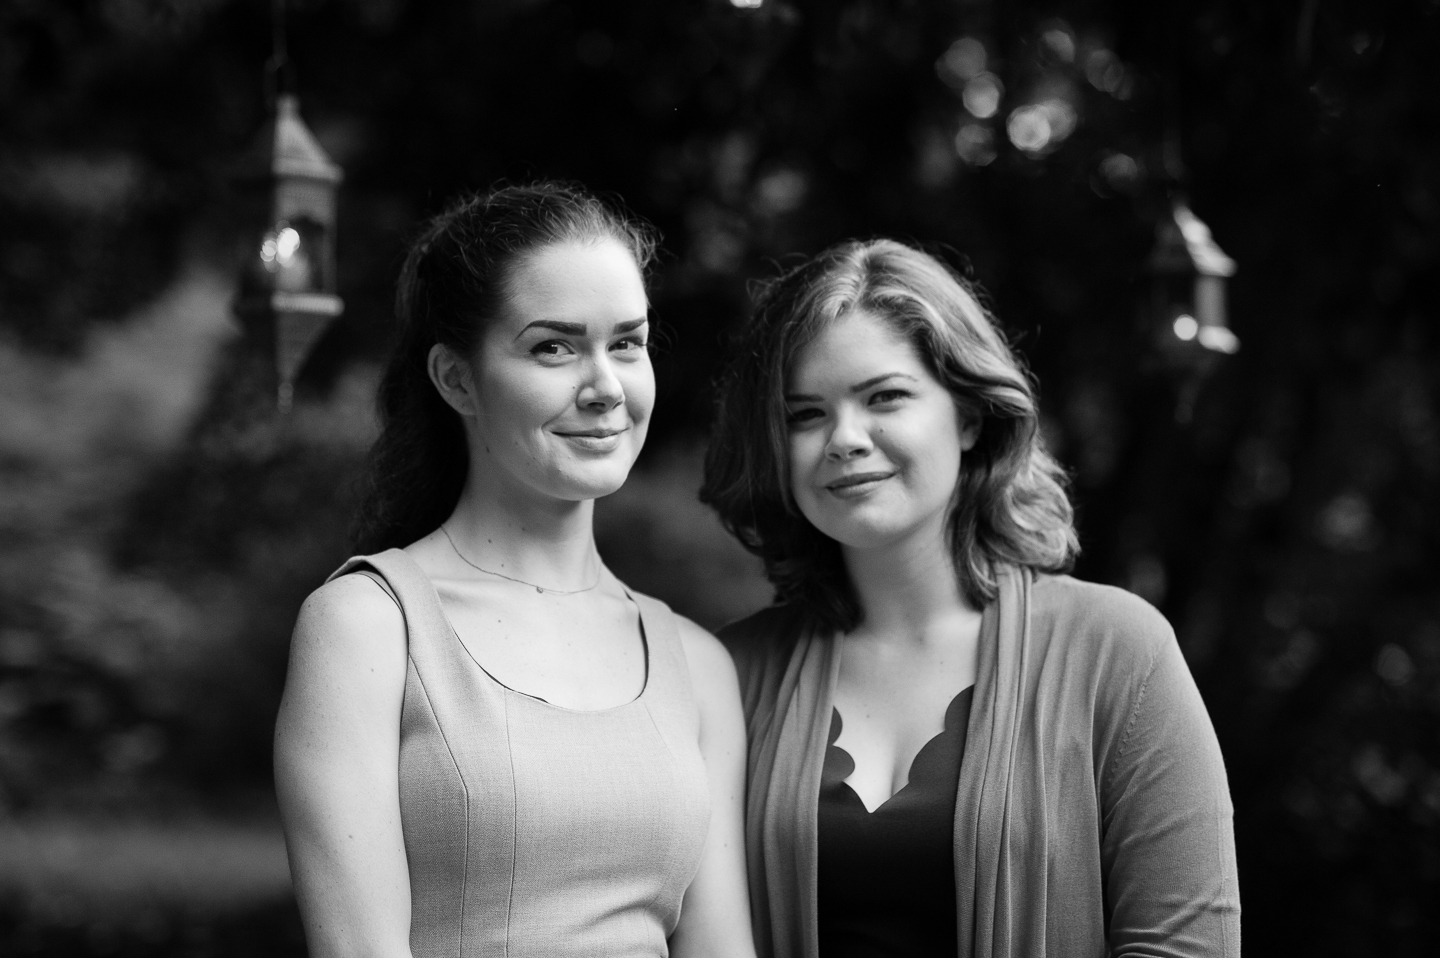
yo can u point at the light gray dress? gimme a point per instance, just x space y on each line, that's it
535 830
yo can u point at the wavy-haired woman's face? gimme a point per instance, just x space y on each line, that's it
557 399
875 440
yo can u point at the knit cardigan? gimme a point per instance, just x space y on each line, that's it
1092 815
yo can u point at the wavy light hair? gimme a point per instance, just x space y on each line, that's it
1011 505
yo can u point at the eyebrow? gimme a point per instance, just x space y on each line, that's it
579 329
857 388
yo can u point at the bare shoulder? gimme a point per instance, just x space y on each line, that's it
711 668
717 693
349 603
350 600
349 621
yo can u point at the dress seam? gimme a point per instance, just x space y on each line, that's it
672 659
514 820
465 789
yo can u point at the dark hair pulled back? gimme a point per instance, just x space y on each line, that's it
454 281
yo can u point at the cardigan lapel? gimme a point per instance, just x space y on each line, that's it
785 790
1001 826
1001 831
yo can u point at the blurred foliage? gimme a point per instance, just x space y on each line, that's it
151 570
159 531
657 537
272 930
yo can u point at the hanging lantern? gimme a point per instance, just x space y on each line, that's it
288 288
1189 275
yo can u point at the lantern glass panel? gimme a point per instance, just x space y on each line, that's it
293 255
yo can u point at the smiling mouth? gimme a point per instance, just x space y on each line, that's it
590 433
856 482
598 441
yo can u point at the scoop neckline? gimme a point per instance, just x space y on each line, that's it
644 648
836 716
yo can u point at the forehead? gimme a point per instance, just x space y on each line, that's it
576 280
854 347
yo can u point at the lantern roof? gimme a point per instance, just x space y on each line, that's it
1183 244
287 148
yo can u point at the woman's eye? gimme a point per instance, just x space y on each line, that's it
799 417
551 347
886 396
630 344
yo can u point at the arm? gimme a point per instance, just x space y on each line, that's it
1167 838
337 746
715 916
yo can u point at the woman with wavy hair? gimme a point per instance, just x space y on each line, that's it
954 747
488 744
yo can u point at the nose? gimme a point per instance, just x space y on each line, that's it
849 439
602 390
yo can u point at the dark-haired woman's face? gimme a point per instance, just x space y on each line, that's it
562 383
875 440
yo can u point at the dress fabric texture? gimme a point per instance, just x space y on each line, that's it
1092 813
535 830
885 879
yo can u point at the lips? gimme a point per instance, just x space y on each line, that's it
593 440
857 483
591 433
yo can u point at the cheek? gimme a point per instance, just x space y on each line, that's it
519 398
803 449
942 457
639 383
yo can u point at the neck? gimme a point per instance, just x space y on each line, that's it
546 542
908 590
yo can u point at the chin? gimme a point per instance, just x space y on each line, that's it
864 539
855 533
592 481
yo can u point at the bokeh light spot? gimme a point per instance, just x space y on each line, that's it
1347 524
982 95
1105 71
287 242
1394 665
1384 783
1219 339
975 144
1060 42
1029 129
1120 170
1040 126
279 247
964 60
782 191
1185 327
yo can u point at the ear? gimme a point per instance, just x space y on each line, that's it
453 378
969 429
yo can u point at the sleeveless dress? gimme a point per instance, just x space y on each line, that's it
535 830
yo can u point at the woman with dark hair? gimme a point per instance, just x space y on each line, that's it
954 748
487 743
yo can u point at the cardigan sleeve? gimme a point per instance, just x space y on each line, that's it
1167 836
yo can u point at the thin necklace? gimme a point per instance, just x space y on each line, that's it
500 575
